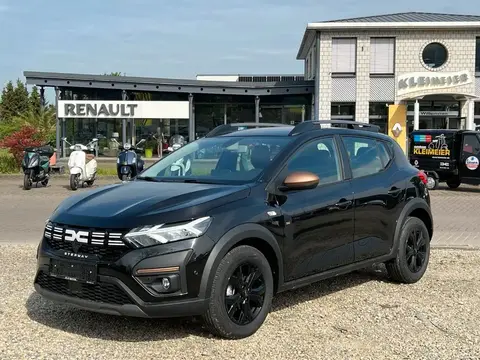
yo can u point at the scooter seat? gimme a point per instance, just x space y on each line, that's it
90 157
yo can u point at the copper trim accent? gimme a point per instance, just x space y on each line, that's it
151 271
301 180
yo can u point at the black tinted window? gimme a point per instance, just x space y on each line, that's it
319 157
367 156
471 144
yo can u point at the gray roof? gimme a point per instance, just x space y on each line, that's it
131 83
410 17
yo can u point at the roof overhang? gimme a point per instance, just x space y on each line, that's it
312 28
129 83
455 96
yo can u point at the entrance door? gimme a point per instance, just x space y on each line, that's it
470 157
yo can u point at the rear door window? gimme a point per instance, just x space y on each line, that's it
367 156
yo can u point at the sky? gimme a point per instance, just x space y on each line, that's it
177 39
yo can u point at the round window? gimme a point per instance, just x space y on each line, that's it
434 55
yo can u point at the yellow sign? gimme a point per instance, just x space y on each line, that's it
397 119
433 152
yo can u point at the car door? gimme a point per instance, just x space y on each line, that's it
469 157
318 222
379 192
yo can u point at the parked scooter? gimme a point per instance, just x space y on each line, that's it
176 142
82 165
129 161
36 165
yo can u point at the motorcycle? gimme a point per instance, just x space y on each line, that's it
36 165
129 161
82 165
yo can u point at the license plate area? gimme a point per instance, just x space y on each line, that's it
73 271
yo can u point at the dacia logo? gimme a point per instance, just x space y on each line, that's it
79 236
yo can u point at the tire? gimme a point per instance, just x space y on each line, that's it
125 177
89 183
432 183
74 181
45 182
27 182
453 184
398 268
216 317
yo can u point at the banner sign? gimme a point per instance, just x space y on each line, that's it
123 109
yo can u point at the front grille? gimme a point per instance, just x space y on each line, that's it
100 292
107 245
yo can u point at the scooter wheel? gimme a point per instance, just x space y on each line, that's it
89 183
125 177
45 182
74 181
27 182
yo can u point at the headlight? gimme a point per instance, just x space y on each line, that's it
161 234
127 146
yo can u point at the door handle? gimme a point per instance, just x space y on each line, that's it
342 205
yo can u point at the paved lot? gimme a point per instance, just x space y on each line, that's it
359 316
23 213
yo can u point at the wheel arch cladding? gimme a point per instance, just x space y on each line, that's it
414 208
247 234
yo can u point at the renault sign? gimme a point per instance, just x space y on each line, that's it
425 81
123 109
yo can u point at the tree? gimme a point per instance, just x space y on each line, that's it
116 73
15 101
16 143
43 119
35 101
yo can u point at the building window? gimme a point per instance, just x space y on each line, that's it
344 55
477 56
434 55
378 115
343 111
382 55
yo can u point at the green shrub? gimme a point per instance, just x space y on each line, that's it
8 164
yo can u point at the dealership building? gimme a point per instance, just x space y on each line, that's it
421 70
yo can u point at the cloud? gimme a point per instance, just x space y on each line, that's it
4 8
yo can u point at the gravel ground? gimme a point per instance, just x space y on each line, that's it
359 316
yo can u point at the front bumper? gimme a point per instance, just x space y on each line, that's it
119 290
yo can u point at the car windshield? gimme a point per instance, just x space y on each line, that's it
222 160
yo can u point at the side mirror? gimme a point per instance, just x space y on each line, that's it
300 180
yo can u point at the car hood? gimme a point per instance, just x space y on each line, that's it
136 203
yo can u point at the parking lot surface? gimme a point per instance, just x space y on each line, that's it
23 213
358 316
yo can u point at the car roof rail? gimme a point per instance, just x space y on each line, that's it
229 128
310 125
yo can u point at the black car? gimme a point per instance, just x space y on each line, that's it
450 156
279 208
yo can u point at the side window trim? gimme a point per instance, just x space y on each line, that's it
277 176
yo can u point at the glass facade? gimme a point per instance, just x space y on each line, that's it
210 111
436 114
343 111
378 115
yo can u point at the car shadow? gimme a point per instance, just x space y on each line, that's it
329 286
110 327
460 189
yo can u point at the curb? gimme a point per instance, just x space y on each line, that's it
455 247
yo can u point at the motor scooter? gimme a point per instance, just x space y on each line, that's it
36 165
82 165
129 161
176 142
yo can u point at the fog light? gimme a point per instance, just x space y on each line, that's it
166 283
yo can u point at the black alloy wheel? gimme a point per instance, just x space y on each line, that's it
241 293
413 254
245 294
416 250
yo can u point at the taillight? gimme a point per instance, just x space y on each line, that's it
422 177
